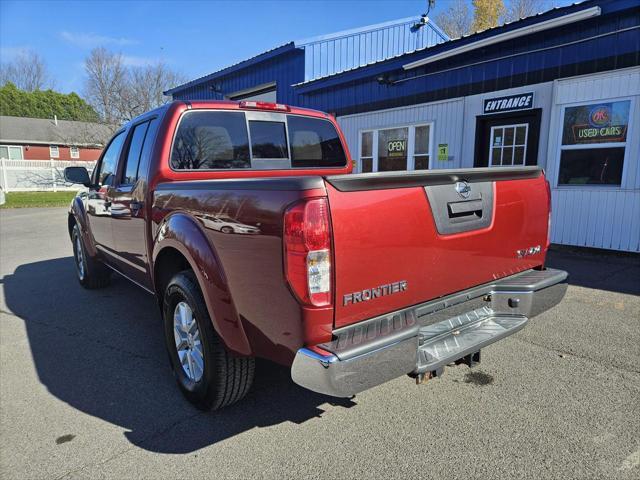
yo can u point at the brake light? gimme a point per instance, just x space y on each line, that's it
307 248
264 105
549 220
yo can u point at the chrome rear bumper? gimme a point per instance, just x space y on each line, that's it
426 337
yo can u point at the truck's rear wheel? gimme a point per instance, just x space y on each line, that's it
91 273
208 375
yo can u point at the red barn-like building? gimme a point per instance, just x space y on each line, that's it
45 139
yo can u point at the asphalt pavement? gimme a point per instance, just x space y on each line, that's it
86 390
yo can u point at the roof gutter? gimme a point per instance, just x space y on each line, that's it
52 142
519 32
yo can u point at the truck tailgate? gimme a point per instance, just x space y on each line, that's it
406 238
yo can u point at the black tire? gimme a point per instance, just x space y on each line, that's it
225 378
90 272
226 230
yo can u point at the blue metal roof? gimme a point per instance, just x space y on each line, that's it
395 63
235 67
338 52
341 51
606 42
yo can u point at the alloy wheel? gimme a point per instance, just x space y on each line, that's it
188 342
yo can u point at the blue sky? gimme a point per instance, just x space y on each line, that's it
193 37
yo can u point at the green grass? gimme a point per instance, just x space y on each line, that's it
37 199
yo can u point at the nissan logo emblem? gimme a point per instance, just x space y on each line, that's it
463 189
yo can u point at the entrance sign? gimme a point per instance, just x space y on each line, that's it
523 101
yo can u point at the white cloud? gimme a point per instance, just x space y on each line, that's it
90 40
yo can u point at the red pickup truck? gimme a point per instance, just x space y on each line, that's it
245 222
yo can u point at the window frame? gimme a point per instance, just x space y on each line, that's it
374 152
514 145
256 115
71 150
9 147
560 147
57 150
411 137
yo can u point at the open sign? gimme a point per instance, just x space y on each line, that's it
396 146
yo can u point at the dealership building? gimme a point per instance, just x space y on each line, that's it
560 90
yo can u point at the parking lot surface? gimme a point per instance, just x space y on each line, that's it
86 390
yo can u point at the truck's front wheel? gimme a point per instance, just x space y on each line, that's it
208 375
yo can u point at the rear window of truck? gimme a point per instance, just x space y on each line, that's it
216 140
211 141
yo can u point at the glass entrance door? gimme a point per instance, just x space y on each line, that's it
508 145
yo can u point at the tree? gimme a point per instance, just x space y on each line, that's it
119 93
487 14
106 80
27 71
518 9
455 20
44 104
145 87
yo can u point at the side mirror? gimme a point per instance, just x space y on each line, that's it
77 175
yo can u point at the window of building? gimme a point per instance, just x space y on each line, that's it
366 152
11 152
54 151
421 148
392 149
75 152
594 140
398 148
508 145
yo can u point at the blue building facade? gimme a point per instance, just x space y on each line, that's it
560 89
277 71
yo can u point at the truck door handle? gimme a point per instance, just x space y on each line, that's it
465 209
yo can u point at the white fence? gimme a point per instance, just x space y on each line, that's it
34 175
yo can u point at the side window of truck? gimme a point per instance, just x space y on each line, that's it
106 174
130 170
210 140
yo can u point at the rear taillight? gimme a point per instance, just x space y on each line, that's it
307 249
549 220
264 105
